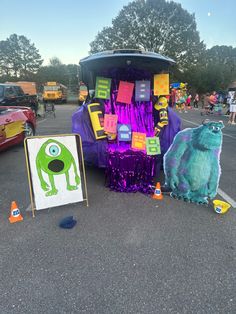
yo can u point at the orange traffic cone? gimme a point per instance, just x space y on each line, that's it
15 213
157 193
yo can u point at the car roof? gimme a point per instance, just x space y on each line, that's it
7 84
126 53
105 62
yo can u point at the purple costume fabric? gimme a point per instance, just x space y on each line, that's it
94 151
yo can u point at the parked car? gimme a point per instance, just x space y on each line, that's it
13 95
127 65
15 124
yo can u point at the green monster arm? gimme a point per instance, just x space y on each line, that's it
77 178
43 183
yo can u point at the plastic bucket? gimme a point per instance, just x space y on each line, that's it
221 207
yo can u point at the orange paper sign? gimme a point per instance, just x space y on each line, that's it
161 84
138 140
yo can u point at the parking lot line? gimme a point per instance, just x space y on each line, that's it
28 208
38 122
193 123
227 198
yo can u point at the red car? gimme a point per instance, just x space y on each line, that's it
15 124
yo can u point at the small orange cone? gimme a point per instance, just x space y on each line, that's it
157 193
15 213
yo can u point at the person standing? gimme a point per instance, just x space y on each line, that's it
188 101
195 101
212 101
232 110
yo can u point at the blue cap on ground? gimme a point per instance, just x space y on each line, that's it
67 222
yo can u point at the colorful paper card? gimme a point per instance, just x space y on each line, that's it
142 90
138 140
125 92
110 123
103 87
161 84
124 132
97 120
153 146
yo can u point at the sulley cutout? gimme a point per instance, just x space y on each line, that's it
192 163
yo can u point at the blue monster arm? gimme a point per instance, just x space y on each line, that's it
173 157
214 178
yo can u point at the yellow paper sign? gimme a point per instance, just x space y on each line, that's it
161 84
14 128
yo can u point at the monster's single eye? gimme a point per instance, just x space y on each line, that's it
212 127
217 128
53 150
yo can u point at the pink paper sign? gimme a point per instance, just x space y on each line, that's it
125 92
110 123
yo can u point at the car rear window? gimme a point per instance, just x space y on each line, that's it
3 111
1 91
19 90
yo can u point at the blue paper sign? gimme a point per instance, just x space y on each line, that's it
124 132
142 90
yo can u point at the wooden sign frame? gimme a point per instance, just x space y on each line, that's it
80 162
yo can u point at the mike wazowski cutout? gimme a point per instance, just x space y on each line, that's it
54 158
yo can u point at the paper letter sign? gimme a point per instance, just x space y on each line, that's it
110 123
138 141
124 132
153 146
97 120
142 90
103 86
161 84
125 92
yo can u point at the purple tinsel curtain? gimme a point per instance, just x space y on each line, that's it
130 170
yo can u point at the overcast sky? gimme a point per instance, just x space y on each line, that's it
65 28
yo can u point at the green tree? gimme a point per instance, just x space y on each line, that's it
19 57
29 56
55 62
4 65
59 72
159 26
215 71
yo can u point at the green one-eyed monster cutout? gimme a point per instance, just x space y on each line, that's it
54 158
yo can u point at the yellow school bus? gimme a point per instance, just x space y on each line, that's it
54 92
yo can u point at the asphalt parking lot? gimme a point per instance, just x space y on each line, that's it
127 254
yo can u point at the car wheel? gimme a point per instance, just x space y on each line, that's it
29 129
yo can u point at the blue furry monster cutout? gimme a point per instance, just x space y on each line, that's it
191 165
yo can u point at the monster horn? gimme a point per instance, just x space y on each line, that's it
222 123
